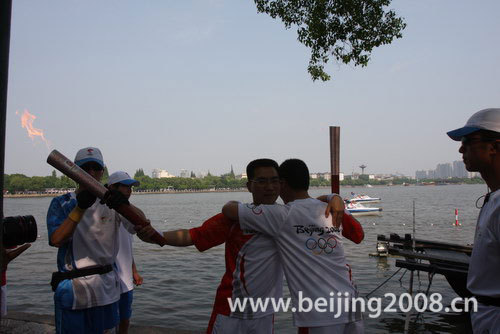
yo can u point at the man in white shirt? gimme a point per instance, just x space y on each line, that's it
480 150
311 251
126 268
86 286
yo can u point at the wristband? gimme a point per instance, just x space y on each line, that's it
76 214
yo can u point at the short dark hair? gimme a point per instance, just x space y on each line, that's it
295 173
253 165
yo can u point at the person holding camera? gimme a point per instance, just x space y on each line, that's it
86 285
7 256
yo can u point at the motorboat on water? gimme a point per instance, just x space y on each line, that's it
361 198
357 209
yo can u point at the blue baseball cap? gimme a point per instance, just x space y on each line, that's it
486 119
89 154
123 178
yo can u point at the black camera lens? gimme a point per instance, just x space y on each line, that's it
19 230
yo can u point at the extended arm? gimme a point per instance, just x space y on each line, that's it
9 255
211 233
178 238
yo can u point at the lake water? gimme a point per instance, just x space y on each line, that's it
180 283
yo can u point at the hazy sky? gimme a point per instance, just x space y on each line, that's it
201 85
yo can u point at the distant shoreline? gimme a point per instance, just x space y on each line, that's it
133 193
147 192
175 191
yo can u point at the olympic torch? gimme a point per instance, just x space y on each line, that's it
68 168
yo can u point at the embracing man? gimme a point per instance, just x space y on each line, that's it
310 249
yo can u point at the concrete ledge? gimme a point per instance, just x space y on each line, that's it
27 323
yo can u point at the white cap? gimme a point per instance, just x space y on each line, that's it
89 154
486 119
122 177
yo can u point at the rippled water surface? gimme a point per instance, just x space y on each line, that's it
180 283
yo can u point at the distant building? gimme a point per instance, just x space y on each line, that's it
421 174
185 173
444 171
201 175
161 173
242 176
327 176
459 169
313 175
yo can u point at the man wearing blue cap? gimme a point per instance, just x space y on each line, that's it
125 263
86 286
480 150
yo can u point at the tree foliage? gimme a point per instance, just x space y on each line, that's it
346 30
139 173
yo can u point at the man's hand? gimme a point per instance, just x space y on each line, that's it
146 232
9 255
336 207
85 199
114 198
137 278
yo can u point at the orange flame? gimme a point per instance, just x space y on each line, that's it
27 123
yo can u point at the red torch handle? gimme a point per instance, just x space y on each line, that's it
68 168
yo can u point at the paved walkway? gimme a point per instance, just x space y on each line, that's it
27 323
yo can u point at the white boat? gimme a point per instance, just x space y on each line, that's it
363 199
357 209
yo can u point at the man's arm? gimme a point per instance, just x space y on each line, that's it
138 280
335 206
352 229
10 255
230 210
266 219
65 230
178 238
63 233
211 233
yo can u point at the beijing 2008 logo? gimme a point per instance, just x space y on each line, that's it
257 210
321 245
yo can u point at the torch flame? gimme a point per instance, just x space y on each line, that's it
27 123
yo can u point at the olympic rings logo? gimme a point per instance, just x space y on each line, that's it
257 210
321 245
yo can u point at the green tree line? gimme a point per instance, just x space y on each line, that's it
20 183
15 183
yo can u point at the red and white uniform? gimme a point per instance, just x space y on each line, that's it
312 255
253 268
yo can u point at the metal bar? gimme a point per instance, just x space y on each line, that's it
335 158
5 19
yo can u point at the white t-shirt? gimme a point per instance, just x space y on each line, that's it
483 278
94 243
312 254
124 259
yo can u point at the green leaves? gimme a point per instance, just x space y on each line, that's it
345 30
